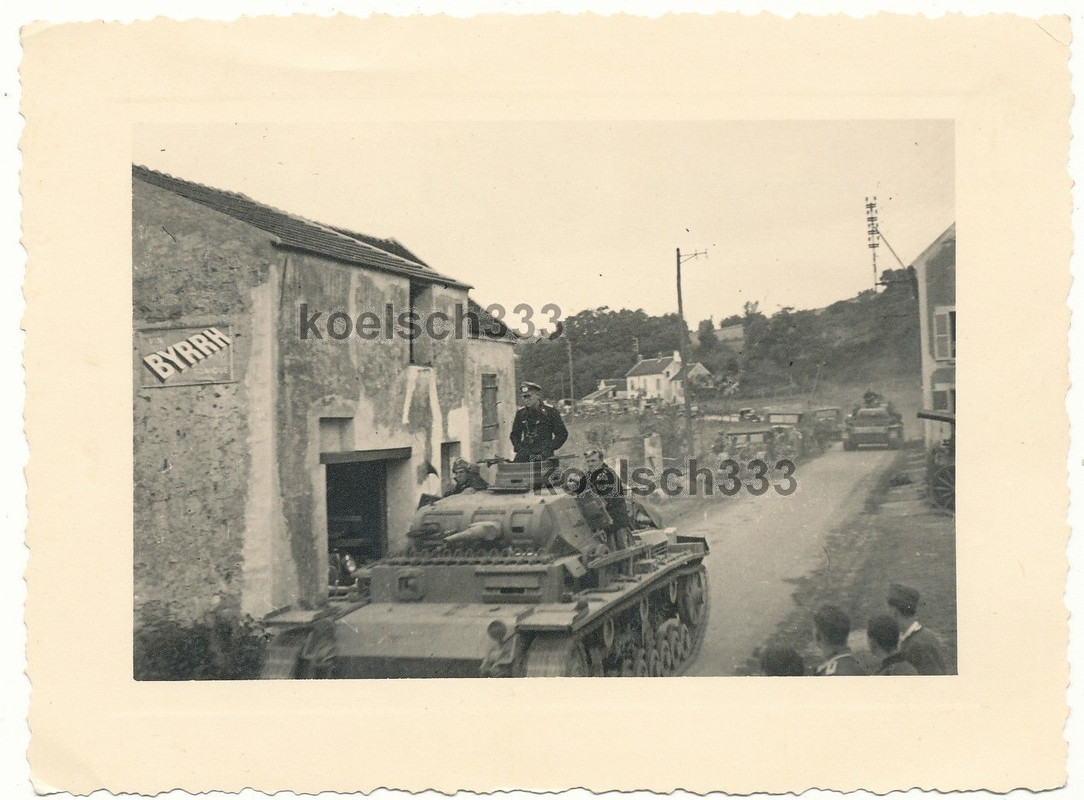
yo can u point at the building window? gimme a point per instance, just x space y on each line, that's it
944 333
944 397
421 306
490 422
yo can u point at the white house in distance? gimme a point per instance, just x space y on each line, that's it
661 378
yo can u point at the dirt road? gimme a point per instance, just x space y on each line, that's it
759 545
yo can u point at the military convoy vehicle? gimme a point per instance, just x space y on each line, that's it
516 580
829 423
874 425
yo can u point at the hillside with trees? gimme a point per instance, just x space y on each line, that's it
864 339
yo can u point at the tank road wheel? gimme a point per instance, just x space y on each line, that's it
673 639
694 597
693 607
665 658
654 663
943 488
556 657
685 642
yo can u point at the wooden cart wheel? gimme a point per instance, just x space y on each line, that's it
943 488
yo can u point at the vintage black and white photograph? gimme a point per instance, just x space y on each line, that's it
536 399
366 355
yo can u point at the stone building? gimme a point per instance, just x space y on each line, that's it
936 273
281 406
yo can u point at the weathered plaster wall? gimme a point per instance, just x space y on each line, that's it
940 281
936 269
493 357
230 504
193 445
393 403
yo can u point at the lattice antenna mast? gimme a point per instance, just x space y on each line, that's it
873 233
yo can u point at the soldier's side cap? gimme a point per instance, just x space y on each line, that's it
526 387
905 596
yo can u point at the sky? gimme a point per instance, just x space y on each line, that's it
590 214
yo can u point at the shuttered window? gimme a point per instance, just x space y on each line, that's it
490 422
944 333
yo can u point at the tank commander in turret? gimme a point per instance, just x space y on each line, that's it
538 430
606 484
466 476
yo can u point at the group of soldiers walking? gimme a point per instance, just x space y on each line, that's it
899 643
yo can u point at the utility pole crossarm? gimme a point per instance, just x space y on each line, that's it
690 439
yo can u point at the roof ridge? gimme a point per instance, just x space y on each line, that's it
169 182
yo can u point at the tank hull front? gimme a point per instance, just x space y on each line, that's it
417 640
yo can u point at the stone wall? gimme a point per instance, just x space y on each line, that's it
193 267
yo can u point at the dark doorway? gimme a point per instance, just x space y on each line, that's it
357 510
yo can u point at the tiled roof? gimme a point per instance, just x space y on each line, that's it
616 383
598 394
680 374
489 324
393 246
649 366
301 234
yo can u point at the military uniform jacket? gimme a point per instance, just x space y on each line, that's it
896 664
841 664
921 648
607 485
538 431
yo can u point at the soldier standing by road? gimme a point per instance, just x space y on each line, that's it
538 430
918 645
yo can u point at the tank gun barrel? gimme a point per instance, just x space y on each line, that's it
476 532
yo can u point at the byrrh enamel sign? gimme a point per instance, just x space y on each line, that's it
186 356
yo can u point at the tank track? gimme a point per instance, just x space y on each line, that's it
661 638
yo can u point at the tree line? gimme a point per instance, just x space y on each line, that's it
870 336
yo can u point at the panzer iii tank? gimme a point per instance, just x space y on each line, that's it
514 581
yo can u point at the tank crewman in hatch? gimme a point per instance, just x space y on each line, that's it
606 484
538 430
467 476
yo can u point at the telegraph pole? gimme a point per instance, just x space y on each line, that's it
571 381
690 439
872 232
